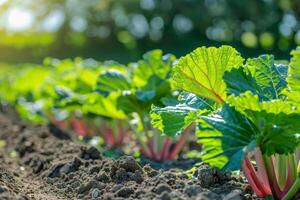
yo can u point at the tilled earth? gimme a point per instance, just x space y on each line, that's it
39 164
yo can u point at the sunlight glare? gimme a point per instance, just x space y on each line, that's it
2 2
19 19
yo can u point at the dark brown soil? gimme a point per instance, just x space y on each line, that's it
35 164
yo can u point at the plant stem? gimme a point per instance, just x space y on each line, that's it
253 179
277 193
293 191
281 167
180 143
261 171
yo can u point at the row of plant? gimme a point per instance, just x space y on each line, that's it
245 113
91 98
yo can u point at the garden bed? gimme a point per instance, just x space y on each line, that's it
39 164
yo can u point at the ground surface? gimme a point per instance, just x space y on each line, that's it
36 164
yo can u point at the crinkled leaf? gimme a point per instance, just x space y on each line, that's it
269 76
277 122
201 72
294 71
239 81
293 78
261 76
226 137
172 120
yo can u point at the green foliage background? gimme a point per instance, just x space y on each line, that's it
125 29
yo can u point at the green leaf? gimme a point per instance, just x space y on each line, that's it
269 76
129 103
201 72
261 76
239 81
294 71
155 89
226 137
153 63
112 81
172 120
102 106
277 122
293 79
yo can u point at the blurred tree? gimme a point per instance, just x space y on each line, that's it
124 29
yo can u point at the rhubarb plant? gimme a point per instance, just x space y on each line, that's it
76 106
253 124
145 83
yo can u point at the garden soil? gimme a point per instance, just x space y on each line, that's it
38 162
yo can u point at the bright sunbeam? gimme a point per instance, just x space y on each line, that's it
2 2
19 19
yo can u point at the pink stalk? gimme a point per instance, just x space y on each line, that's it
261 171
152 151
121 133
166 149
177 148
79 127
109 138
260 190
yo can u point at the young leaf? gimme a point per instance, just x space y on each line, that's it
201 72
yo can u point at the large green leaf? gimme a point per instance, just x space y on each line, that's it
226 137
261 76
112 81
269 76
172 120
277 122
201 72
240 80
294 71
293 79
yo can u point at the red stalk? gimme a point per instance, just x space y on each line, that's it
151 148
261 170
79 127
121 133
260 190
166 149
109 138
177 148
